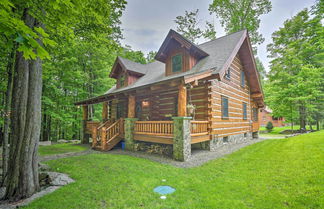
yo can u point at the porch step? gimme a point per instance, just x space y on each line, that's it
112 143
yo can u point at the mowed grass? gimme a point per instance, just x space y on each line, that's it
277 130
60 149
279 173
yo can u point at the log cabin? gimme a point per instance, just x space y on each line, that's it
265 115
191 96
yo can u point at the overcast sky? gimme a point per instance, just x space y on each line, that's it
145 23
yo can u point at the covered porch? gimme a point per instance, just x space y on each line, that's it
159 114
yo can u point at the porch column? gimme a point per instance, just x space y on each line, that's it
84 136
104 111
131 106
182 101
129 133
181 138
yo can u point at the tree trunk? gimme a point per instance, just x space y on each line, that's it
302 118
22 179
5 148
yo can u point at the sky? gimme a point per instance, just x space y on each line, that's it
146 23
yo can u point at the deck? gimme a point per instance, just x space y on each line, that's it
108 134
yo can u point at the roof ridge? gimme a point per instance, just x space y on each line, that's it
222 37
130 60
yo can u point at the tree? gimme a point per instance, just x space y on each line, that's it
261 70
269 126
188 26
150 56
236 15
23 24
296 74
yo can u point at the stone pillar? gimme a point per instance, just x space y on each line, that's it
129 133
181 138
84 136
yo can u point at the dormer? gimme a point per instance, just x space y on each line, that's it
126 72
178 53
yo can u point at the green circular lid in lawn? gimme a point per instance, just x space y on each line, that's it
164 190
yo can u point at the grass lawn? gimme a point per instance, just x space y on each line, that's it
278 173
60 149
276 130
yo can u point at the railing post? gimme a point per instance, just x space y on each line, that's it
103 138
181 138
129 133
94 136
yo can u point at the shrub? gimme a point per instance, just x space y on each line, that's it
269 126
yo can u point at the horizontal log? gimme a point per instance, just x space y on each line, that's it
154 139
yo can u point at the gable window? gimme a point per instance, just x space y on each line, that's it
228 73
122 81
224 107
242 79
244 111
255 114
176 63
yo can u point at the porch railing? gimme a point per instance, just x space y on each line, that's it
159 128
199 128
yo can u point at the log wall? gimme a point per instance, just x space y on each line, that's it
237 95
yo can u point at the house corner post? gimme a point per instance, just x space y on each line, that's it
85 135
104 111
129 133
181 138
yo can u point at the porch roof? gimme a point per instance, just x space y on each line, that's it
221 52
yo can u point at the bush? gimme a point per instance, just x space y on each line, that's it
269 126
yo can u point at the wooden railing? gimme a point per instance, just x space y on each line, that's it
158 128
106 132
114 130
199 128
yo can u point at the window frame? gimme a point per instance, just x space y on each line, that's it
223 108
255 114
181 62
242 79
244 109
122 80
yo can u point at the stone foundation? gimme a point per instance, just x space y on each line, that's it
154 148
216 142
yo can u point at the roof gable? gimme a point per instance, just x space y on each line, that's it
174 37
133 67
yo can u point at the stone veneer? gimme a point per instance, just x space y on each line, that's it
216 142
181 148
129 133
181 138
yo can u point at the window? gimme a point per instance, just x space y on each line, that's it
255 114
177 63
244 111
242 79
224 107
228 73
122 81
